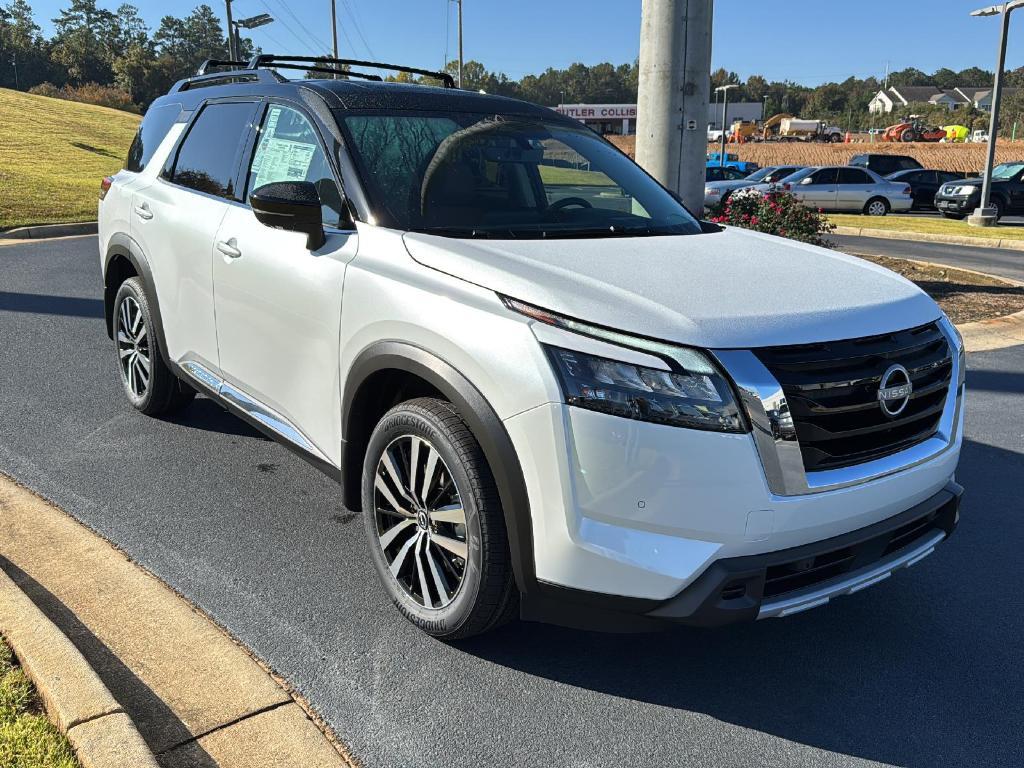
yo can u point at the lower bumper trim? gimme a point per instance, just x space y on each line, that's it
855 582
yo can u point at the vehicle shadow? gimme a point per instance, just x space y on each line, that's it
203 413
922 670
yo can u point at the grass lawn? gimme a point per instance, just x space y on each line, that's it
53 154
553 174
926 225
27 738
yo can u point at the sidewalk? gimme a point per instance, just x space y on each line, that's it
198 699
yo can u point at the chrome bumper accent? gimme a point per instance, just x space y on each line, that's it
849 583
775 434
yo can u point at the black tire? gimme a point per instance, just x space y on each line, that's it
485 594
998 207
876 206
154 392
957 216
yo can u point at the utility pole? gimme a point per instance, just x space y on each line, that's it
672 104
334 29
232 53
460 42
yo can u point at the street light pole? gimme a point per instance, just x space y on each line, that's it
460 42
334 29
232 54
985 215
725 115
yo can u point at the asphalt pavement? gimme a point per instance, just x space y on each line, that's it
921 670
996 261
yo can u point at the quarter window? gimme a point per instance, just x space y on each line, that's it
208 157
289 150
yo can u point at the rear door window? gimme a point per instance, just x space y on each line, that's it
208 157
152 130
854 176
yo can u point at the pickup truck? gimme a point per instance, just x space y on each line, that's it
731 161
958 199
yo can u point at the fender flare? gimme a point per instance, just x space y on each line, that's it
479 416
123 245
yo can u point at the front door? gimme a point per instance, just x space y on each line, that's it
278 305
817 190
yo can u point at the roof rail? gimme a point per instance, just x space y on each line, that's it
230 76
205 67
318 64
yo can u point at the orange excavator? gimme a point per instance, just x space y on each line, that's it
913 129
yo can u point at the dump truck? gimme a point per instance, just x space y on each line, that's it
795 129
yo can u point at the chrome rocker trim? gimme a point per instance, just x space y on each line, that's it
776 440
256 410
821 594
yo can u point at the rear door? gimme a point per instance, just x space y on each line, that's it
854 188
818 190
278 304
175 221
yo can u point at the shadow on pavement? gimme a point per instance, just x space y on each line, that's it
42 304
995 381
202 413
921 670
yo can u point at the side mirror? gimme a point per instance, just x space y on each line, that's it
290 205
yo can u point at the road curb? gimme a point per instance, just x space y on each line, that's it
917 237
80 705
197 696
43 231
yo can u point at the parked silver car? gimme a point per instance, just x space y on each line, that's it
844 188
717 192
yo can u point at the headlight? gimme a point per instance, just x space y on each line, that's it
712 191
693 394
698 399
968 191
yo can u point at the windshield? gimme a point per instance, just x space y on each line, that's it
476 175
761 174
797 175
1007 170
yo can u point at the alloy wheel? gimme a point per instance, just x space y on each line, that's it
133 348
877 208
420 521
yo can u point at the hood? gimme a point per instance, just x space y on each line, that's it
731 289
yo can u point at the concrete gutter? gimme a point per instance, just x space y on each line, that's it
77 701
197 697
917 237
42 231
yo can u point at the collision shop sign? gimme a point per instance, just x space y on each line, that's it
598 111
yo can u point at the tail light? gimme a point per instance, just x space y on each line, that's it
787 186
906 190
105 186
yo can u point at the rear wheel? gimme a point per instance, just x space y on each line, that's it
148 383
876 206
434 522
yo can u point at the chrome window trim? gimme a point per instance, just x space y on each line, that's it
779 448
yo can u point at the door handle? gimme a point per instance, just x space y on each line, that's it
143 212
227 247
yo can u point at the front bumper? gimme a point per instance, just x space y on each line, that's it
769 585
957 205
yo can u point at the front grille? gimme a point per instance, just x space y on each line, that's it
832 392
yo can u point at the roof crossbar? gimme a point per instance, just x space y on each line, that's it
317 64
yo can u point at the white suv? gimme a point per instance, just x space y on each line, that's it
549 390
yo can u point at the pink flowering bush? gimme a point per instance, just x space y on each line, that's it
776 213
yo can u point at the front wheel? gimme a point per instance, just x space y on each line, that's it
434 522
876 206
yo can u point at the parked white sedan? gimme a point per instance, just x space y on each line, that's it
844 188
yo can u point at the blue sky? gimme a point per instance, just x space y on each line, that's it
810 43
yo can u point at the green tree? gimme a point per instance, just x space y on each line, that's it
83 42
24 54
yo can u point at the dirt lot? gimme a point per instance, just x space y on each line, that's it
964 296
948 157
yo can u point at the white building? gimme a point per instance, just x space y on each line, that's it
898 97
